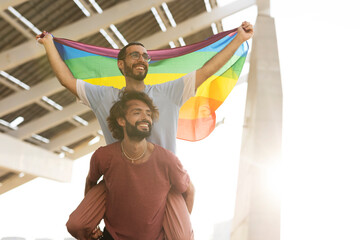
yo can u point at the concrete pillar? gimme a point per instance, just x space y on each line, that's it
257 210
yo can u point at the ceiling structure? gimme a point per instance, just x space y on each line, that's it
35 110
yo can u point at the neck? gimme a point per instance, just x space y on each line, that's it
134 148
134 85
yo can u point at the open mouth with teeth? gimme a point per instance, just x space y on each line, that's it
140 67
143 125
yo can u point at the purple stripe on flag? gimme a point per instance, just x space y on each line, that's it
155 54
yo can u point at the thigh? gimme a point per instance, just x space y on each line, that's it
177 224
89 212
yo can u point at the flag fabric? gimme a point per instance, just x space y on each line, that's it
197 118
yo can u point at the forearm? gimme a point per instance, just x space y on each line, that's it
219 60
59 67
189 197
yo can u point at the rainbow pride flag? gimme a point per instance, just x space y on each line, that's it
197 118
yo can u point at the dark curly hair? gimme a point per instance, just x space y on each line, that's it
119 109
122 53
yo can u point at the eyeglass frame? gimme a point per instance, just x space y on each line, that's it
145 56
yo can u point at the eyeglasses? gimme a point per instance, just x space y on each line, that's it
136 56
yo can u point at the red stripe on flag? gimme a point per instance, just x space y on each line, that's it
196 129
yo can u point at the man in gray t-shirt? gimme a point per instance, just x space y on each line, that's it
168 97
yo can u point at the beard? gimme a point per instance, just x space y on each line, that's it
128 71
134 133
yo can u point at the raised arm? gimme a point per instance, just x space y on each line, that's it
245 32
60 69
189 196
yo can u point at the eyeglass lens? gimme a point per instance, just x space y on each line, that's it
136 55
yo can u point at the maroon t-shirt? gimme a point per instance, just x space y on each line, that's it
136 193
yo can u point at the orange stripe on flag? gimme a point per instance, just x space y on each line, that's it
199 107
197 118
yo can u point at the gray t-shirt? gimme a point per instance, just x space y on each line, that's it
167 97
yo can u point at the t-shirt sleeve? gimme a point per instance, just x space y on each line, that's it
179 178
98 165
90 94
80 90
189 86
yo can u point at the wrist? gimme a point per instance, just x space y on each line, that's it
239 39
48 43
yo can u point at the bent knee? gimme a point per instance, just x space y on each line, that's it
77 228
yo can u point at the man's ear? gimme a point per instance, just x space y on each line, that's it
120 64
121 121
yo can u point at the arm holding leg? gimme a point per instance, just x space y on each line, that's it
188 196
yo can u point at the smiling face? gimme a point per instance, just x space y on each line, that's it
134 68
138 120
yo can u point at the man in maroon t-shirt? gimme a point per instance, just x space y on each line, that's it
138 174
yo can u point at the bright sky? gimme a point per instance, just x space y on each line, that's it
319 55
318 47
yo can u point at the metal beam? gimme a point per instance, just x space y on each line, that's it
73 136
218 23
163 17
45 106
83 150
49 120
14 181
4 4
77 30
16 25
195 24
24 97
114 38
10 85
19 156
87 6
